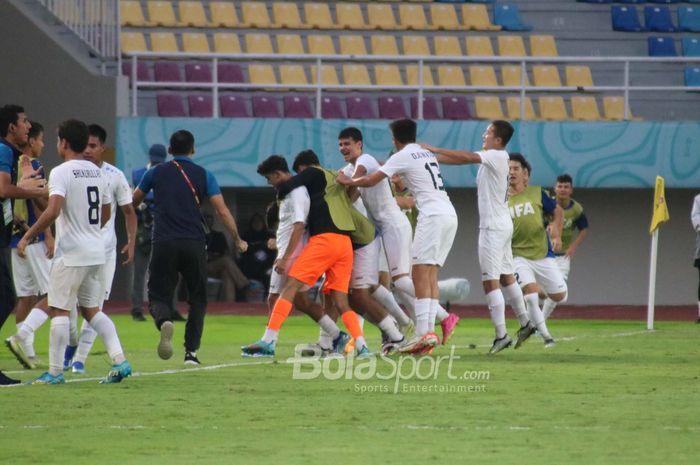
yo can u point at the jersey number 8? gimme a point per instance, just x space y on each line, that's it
93 198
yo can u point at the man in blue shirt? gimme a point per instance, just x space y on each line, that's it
178 244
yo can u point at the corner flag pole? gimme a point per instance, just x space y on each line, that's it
659 216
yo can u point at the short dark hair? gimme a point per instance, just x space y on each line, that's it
520 158
305 158
9 114
351 133
182 142
75 133
35 130
273 163
564 178
98 131
503 130
404 130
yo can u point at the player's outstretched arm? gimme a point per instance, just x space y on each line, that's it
363 181
226 218
453 157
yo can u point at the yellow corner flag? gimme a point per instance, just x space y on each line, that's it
660 209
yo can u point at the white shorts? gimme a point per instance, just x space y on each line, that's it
71 285
383 264
31 273
564 264
433 239
396 239
108 273
365 266
495 253
544 272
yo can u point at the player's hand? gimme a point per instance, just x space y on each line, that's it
49 245
570 252
241 245
343 179
35 186
272 244
128 252
21 246
280 266
556 243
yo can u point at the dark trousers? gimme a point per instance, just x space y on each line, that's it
189 259
7 287
138 283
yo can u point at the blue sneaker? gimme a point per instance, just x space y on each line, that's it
340 342
48 378
78 367
259 349
364 353
68 357
117 373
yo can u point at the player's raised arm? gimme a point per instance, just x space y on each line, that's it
453 157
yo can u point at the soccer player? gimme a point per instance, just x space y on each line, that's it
533 249
79 202
436 229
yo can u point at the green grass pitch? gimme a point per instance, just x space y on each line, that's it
609 392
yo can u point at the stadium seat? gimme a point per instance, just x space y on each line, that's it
265 107
356 75
488 108
476 17
444 18
133 42
584 108
161 14
692 76
661 47
451 76
349 16
508 17
512 75
329 76
297 107
392 108
666 1
331 107
200 106
614 108
286 15
320 44
258 43
658 19
170 105
191 15
578 76
455 107
626 19
293 75
163 42
689 18
142 71
289 44
413 17
198 72
167 71
606 2
230 73
482 76
233 106
543 46
691 47
513 108
381 16
195 42
511 46
447 46
415 45
318 16
360 108
352 45
430 108
546 76
223 14
552 108
254 15
387 75
478 46
412 75
261 74
131 13
226 42
384 45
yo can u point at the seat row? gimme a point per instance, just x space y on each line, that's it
553 108
636 1
348 44
666 47
656 19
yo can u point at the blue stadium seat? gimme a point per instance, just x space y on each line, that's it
664 1
692 76
691 47
626 19
661 47
689 19
595 1
508 17
658 19
630 1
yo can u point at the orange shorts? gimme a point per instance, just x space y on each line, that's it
328 253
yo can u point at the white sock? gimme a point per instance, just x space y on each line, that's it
73 332
409 304
360 343
361 321
407 295
87 339
58 340
536 316
325 340
405 285
433 313
548 307
497 309
423 317
388 325
386 299
514 297
34 320
108 333
27 343
270 336
441 312
328 327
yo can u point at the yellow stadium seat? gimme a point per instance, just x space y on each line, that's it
614 109
513 106
289 44
384 45
286 15
161 14
356 75
318 16
478 46
552 108
133 42
320 44
413 17
546 76
261 74
543 46
381 16
451 76
195 42
352 45
578 76
191 14
477 18
482 76
329 76
444 17
387 75
293 75
163 42
511 46
131 13
584 108
349 16
412 75
258 43
511 75
488 108
254 15
226 42
223 14
415 45
447 46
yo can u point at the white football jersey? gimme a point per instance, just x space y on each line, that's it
294 208
121 195
378 199
78 237
357 204
421 174
492 190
